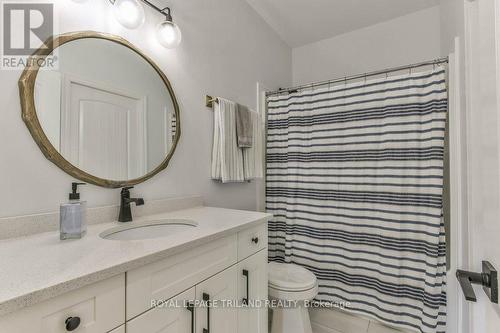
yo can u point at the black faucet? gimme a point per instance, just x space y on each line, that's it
125 211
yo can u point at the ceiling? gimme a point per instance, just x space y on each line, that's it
301 22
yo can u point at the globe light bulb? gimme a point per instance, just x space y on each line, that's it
169 35
129 13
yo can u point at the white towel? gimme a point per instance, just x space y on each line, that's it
253 157
227 157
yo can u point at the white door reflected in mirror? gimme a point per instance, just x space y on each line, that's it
106 110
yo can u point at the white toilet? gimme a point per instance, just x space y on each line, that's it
289 282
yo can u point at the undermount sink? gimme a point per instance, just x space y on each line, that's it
148 229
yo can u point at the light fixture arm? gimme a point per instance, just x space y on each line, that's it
165 11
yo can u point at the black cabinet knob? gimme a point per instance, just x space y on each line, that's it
72 323
255 240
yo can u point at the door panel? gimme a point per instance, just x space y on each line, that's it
483 151
219 288
102 130
100 153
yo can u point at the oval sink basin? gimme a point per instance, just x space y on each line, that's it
148 229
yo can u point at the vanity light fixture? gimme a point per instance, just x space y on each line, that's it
168 33
130 13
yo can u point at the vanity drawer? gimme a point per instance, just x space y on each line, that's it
99 307
252 240
166 278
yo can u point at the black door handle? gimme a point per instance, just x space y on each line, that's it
246 274
466 279
487 278
72 323
206 298
190 308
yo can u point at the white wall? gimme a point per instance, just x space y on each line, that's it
452 23
405 40
226 49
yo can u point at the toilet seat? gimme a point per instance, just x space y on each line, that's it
292 286
290 277
291 282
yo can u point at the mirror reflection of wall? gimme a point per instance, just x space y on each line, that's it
106 109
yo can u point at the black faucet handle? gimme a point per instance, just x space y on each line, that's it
126 189
136 201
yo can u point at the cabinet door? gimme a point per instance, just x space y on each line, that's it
219 289
171 317
252 289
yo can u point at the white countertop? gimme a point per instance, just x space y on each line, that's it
40 267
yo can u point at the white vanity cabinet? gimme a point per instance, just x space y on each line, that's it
223 291
174 317
224 272
243 279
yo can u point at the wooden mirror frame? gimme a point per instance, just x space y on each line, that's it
30 118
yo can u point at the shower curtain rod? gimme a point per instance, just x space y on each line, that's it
359 76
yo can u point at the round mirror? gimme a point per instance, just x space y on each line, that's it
103 111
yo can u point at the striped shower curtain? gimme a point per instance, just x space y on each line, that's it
355 183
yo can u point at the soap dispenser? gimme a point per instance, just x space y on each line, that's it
73 216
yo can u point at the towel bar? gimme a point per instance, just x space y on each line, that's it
209 101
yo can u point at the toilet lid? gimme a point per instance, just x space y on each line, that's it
290 277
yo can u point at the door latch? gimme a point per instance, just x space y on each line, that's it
488 279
